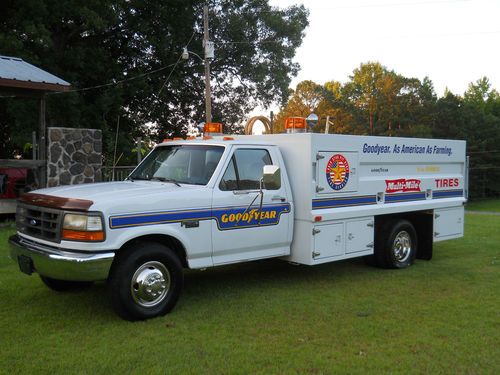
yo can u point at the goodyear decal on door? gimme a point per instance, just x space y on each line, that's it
225 217
241 217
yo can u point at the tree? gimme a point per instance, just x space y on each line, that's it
481 116
303 101
364 88
139 43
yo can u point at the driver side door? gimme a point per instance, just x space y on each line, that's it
243 229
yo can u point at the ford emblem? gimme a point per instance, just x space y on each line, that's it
33 222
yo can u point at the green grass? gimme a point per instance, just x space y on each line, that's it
441 316
492 205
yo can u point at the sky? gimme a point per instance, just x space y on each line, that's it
453 42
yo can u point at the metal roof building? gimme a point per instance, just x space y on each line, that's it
16 76
21 79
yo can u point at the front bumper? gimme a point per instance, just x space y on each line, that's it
60 264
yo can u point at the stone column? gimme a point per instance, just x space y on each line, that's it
74 156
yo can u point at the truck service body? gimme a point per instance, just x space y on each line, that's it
306 198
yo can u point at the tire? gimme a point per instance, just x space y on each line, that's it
145 281
395 244
65 285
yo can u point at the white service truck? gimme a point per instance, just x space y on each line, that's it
306 198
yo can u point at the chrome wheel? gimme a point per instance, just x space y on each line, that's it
150 284
401 247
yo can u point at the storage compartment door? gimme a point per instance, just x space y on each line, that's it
448 223
336 172
359 235
328 240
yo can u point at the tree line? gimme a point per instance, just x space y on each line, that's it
378 101
123 60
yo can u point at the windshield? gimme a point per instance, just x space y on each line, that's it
186 164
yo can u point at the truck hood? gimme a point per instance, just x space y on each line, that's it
134 196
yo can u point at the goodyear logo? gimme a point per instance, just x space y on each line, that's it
242 218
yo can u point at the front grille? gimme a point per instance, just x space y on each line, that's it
39 222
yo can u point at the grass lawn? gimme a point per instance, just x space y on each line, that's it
441 316
492 205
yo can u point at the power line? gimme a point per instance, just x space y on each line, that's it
114 83
169 75
126 79
406 3
175 65
355 6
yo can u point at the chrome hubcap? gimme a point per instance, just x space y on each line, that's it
150 284
401 248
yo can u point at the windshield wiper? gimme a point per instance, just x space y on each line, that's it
163 179
137 178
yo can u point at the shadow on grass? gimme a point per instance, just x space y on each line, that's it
209 289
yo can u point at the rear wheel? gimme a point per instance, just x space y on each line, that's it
145 281
396 244
65 285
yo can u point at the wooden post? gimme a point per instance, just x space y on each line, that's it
42 147
34 143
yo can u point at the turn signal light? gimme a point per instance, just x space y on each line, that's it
78 235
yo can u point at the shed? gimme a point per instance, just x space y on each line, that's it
21 79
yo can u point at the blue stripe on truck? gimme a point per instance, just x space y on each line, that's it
364 200
404 197
343 202
447 193
225 217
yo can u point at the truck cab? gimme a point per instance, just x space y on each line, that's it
192 204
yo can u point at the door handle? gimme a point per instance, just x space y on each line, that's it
278 198
244 192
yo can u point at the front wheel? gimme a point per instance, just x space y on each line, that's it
396 244
145 281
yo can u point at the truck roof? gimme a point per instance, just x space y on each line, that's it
219 140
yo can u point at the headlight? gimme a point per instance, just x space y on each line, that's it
80 227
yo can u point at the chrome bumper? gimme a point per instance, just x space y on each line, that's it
59 264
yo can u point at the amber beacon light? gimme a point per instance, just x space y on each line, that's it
212 128
295 125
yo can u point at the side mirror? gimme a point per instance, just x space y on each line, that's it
271 177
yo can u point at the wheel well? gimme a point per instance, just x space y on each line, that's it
423 221
173 243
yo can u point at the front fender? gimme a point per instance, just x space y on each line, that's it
197 241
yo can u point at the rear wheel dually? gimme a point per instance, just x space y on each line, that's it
395 244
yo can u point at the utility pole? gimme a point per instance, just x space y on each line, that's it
208 103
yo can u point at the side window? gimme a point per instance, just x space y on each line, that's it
229 180
245 169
